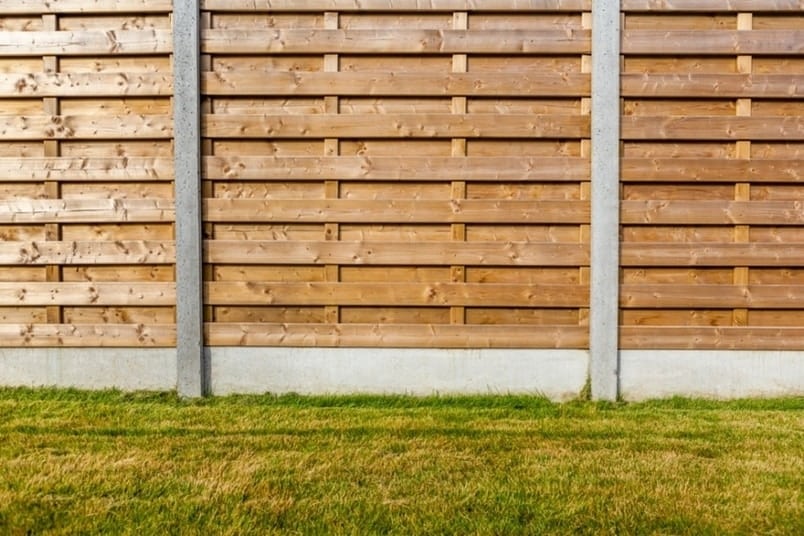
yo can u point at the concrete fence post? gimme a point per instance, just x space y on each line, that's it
190 362
605 232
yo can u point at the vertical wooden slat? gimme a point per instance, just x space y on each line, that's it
207 149
460 63
742 190
331 148
51 149
585 187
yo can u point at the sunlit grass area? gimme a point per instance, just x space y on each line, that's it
111 463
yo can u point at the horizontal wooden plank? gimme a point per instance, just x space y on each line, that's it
426 125
712 296
395 253
405 84
777 86
713 42
711 170
394 211
86 169
397 168
86 210
88 252
711 6
397 335
95 127
702 254
87 335
391 41
396 294
717 127
712 212
701 337
86 43
23 7
396 5
85 84
93 293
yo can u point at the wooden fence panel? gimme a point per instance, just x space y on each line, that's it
712 164
86 169
397 173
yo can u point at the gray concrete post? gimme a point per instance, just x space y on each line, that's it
190 361
605 235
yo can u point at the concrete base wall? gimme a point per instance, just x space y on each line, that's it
128 369
711 374
557 374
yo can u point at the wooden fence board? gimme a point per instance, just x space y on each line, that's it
779 86
712 170
86 169
713 42
394 211
395 253
96 127
88 252
395 6
713 296
87 335
94 293
703 254
715 127
85 84
85 210
713 212
399 168
700 337
86 43
711 6
14 7
396 336
385 41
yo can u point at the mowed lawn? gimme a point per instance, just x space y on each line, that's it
112 463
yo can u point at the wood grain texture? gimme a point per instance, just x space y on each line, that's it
712 6
87 335
86 210
93 293
397 5
783 254
85 84
86 169
712 296
94 127
396 336
702 337
707 170
24 7
713 42
715 127
712 212
87 252
86 43
778 86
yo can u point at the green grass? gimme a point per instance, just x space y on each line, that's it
111 463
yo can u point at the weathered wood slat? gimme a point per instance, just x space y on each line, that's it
713 212
395 84
95 127
713 42
712 296
86 43
394 211
86 210
85 84
395 168
87 335
781 128
395 294
711 6
782 254
711 170
397 126
388 41
87 252
700 337
396 5
778 86
94 293
395 253
396 335
24 7
64 169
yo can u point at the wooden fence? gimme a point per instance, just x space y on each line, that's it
402 174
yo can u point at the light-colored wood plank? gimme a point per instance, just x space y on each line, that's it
87 335
396 5
88 169
95 127
90 252
395 211
699 337
397 335
91 210
712 6
86 6
412 125
712 212
712 170
84 84
713 42
777 86
87 42
391 83
400 168
119 315
712 296
95 293
395 294
734 254
716 127
388 253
